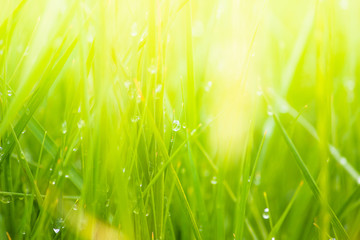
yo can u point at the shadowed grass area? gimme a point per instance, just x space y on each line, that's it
179 119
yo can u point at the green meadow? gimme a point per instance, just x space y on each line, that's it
179 119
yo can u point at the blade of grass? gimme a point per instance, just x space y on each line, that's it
309 179
185 204
282 218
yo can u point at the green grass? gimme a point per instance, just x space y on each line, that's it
182 119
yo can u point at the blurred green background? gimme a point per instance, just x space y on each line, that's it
179 119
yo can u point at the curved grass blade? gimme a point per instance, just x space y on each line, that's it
245 193
310 129
36 99
279 223
185 203
309 179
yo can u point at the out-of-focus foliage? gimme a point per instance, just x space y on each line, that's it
179 119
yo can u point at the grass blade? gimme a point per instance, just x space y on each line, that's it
309 179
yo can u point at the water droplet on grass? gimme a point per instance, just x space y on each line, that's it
6 199
64 127
58 225
265 214
176 126
270 111
152 69
208 86
135 119
81 124
75 207
123 170
9 93
214 180
158 88
75 149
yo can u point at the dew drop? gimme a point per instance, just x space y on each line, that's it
269 111
135 119
158 88
75 149
64 127
214 180
208 86
136 211
265 214
58 225
176 126
123 170
6 199
152 69
9 93
75 207
81 124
